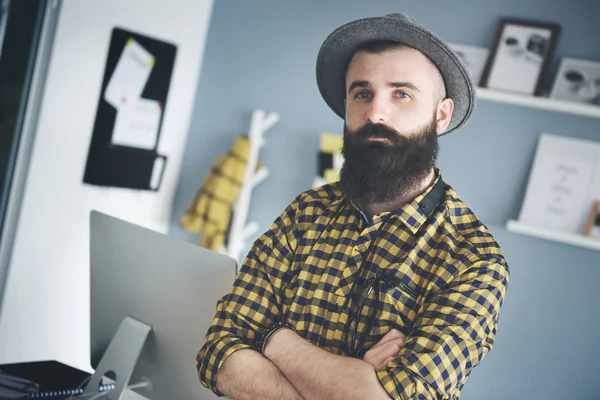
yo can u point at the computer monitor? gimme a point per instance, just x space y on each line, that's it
152 280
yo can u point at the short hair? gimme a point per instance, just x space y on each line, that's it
381 46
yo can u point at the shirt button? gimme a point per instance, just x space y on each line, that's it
355 250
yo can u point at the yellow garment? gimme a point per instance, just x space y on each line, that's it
209 214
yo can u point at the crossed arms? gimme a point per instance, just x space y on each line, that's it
452 332
295 369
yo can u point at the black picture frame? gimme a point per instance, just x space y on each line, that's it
535 54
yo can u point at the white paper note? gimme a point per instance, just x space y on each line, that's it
559 194
130 76
137 124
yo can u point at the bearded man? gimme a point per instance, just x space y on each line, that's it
384 284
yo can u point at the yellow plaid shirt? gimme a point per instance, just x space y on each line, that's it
451 282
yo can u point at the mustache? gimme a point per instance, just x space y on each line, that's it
380 131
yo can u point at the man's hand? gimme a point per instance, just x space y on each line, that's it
380 355
320 375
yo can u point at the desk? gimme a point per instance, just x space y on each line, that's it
130 395
54 376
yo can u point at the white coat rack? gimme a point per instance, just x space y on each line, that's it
240 230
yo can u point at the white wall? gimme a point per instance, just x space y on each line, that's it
46 306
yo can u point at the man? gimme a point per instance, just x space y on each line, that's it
384 284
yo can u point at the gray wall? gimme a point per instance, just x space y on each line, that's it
261 54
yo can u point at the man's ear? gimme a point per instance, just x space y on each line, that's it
444 115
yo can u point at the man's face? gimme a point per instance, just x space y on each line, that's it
399 88
393 116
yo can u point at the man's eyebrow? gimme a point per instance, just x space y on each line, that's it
360 84
407 85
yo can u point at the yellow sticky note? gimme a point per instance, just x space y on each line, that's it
331 142
332 175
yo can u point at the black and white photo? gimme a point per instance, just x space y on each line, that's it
521 55
577 80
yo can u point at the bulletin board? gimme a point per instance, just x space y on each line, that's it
123 150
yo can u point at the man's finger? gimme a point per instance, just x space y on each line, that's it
384 364
391 335
391 348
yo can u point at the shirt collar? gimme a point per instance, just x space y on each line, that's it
415 213
418 211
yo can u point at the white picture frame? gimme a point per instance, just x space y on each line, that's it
474 58
563 184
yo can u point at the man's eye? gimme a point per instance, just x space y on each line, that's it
363 95
403 95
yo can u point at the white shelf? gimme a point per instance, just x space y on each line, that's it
561 237
544 103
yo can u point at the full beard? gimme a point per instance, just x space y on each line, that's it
380 172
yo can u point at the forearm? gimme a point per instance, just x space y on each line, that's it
318 374
248 375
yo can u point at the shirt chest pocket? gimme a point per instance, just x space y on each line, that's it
399 306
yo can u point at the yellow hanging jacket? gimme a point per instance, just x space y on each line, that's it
209 214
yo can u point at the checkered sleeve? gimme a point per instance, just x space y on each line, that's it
253 303
452 333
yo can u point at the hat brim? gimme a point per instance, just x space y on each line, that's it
340 45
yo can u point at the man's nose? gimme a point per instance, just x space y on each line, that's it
378 112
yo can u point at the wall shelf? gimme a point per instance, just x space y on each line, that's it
561 237
544 103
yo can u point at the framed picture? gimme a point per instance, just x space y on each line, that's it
562 184
577 80
593 228
474 58
521 54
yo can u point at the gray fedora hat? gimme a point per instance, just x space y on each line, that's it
340 45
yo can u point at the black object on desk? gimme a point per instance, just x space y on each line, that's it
41 379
